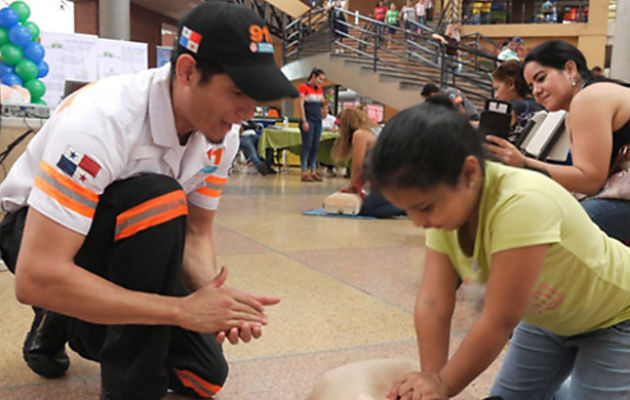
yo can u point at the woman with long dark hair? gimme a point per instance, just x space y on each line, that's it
553 280
598 124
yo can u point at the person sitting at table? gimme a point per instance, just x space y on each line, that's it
309 106
329 122
357 135
250 135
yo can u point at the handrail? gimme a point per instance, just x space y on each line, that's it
473 68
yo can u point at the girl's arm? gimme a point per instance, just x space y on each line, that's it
512 279
434 309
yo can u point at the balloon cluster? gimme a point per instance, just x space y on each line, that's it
21 56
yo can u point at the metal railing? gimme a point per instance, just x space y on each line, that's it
409 54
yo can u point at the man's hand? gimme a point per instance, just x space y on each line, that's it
418 386
224 311
305 125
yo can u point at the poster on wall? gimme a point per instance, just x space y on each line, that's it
69 56
163 55
86 58
116 57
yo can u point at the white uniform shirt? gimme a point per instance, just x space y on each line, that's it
110 130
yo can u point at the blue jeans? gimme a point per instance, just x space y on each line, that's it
538 362
248 145
611 215
375 205
310 145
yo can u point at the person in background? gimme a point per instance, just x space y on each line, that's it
421 12
519 235
310 106
450 39
598 124
459 100
109 214
392 17
380 10
329 122
249 137
510 52
338 19
408 12
597 71
509 86
357 135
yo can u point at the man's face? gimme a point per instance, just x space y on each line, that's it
213 106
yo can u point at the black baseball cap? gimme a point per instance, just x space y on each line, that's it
241 43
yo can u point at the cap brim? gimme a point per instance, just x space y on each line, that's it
261 82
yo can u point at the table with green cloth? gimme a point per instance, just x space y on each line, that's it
291 139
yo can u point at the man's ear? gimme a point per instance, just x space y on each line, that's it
185 69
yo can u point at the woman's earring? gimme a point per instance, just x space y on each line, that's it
573 82
470 184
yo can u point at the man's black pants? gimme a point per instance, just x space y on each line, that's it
137 241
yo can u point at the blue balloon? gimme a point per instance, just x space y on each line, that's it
8 18
20 35
5 69
11 79
34 52
42 69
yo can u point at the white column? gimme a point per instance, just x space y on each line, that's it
620 58
113 19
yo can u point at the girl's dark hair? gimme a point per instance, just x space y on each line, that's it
556 53
423 146
314 72
511 70
208 68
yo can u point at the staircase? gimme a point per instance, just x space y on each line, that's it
394 69
393 72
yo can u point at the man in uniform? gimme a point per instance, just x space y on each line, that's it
109 214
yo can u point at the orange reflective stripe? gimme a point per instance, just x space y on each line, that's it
68 182
63 199
216 180
151 213
150 204
206 191
202 387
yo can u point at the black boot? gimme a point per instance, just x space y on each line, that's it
44 347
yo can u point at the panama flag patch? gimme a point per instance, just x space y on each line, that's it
77 165
190 39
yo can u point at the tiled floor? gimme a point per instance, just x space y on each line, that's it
347 289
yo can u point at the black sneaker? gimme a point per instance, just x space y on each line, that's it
44 348
270 170
262 169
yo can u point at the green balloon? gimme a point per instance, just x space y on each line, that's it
32 26
36 88
4 36
26 70
40 102
22 9
10 54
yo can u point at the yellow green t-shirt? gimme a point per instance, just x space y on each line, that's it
584 283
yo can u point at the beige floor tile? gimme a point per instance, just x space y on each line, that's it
317 313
